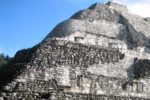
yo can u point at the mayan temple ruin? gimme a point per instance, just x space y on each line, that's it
99 53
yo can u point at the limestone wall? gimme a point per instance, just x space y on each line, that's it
102 27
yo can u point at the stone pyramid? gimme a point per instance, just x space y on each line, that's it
100 53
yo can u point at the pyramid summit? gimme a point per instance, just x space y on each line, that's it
99 53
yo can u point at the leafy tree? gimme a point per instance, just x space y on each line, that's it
4 59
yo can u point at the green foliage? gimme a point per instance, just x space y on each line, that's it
4 60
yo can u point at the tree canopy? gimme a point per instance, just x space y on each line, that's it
4 59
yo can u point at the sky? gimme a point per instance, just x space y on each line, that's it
24 23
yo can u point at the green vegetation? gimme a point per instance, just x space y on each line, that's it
4 60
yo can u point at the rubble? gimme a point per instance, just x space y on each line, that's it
100 53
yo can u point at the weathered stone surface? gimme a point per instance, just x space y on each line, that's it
100 53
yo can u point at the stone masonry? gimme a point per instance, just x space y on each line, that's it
100 53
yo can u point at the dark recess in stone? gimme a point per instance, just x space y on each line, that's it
141 68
